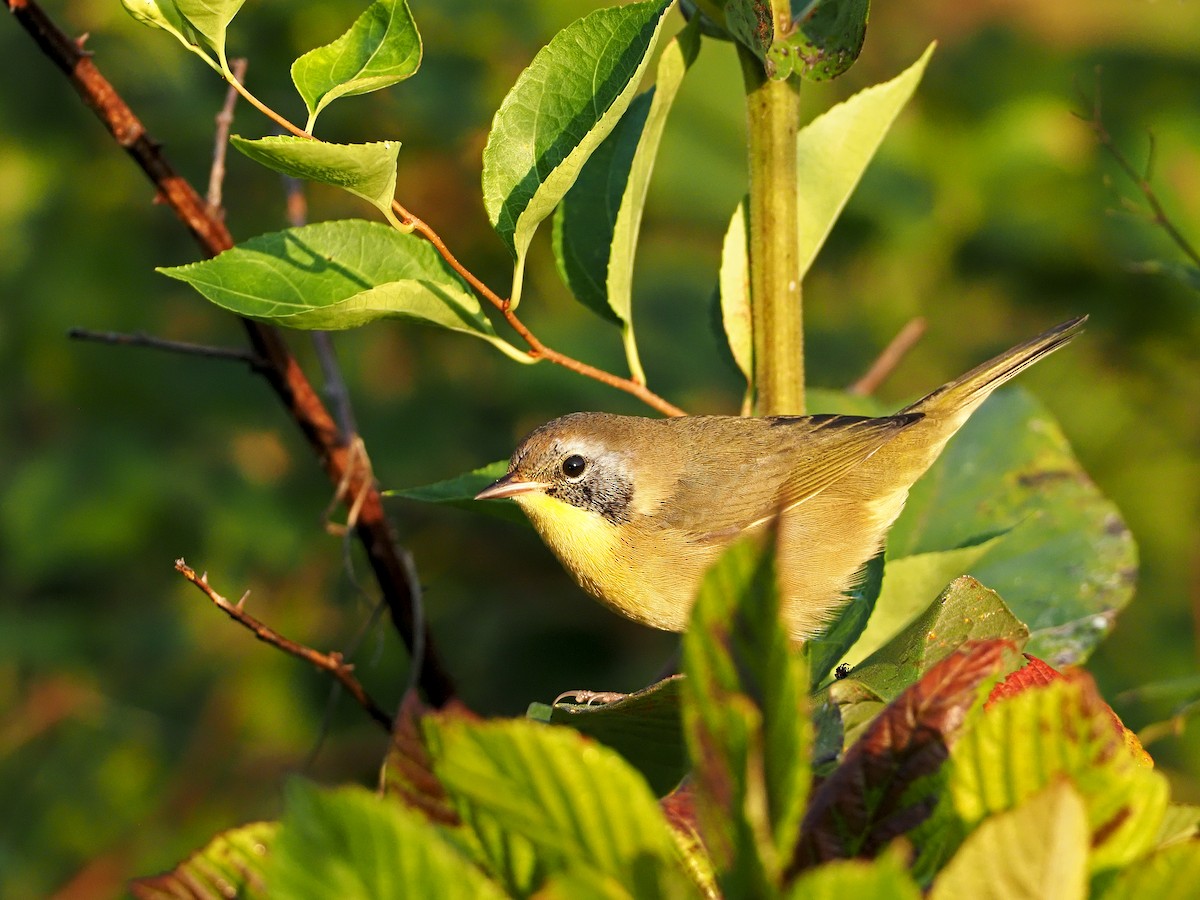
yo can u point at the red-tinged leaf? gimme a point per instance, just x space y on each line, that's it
408 768
230 866
679 807
1034 673
868 800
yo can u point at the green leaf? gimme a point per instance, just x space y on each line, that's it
908 584
211 20
1169 874
460 491
752 23
365 170
381 48
1067 565
644 727
886 783
1038 850
577 802
596 226
884 878
558 112
825 42
965 611
335 275
745 719
1027 742
826 649
1181 822
833 151
735 294
351 843
233 861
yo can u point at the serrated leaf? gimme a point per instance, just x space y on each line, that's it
824 43
1038 851
735 294
746 719
833 151
908 583
231 864
365 170
1067 565
335 275
1023 744
210 18
381 48
964 611
884 878
460 491
351 843
577 802
1170 874
557 114
875 794
644 727
597 224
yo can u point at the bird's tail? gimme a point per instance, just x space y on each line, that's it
962 395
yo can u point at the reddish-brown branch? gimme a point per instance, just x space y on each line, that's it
279 367
328 662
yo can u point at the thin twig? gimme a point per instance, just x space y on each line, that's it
332 663
1140 179
137 339
216 175
279 367
887 361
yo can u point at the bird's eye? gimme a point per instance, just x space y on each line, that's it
574 465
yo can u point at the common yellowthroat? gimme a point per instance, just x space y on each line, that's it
637 509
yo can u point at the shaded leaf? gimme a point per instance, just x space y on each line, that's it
644 727
575 801
365 170
826 649
351 843
562 106
824 43
876 793
381 48
335 275
1038 850
1067 565
833 151
232 864
751 22
460 491
746 720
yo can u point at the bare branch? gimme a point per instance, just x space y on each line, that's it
333 663
224 120
137 339
887 361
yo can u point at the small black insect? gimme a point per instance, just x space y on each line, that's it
841 671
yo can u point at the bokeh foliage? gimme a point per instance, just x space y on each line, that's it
135 721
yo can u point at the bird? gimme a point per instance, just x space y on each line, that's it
637 509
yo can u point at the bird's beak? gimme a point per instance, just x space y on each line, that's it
508 486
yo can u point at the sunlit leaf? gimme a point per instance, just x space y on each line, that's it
366 170
335 275
352 843
381 48
211 19
460 491
884 878
825 42
833 151
1170 874
1037 850
874 795
557 114
735 294
231 864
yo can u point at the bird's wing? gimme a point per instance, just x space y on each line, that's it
821 451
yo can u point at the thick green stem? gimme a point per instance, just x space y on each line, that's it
773 109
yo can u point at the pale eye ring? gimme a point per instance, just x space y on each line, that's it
574 466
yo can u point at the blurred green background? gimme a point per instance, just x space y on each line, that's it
135 720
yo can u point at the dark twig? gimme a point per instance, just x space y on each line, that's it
137 339
328 662
280 368
1141 180
887 361
216 175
